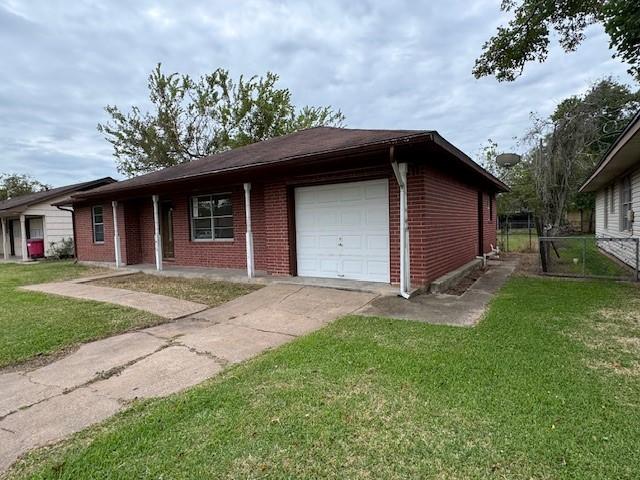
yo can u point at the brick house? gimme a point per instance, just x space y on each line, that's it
322 202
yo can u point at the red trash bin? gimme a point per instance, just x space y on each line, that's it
35 248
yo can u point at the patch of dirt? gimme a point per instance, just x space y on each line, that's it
38 361
528 263
465 283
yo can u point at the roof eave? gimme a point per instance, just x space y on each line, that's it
632 129
417 137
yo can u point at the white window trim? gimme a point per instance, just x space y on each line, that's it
626 206
191 220
606 208
94 223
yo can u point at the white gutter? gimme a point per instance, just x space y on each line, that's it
249 235
156 236
116 235
400 171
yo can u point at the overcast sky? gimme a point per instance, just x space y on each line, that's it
384 64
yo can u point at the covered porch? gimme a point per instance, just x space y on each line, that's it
17 230
234 275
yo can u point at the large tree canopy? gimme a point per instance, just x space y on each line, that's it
191 118
527 35
14 185
562 151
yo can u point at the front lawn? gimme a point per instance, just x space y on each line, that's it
193 289
547 386
35 324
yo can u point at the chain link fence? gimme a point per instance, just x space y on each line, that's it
517 234
590 257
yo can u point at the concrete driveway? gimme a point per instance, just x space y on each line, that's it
45 405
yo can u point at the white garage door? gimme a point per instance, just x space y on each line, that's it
342 231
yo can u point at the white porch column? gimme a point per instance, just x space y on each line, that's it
400 171
116 234
23 238
5 252
156 236
249 235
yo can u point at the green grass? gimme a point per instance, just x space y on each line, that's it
518 242
596 263
193 289
547 386
35 324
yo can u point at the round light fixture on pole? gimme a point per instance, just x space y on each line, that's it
508 160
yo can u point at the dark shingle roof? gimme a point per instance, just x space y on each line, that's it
20 203
313 142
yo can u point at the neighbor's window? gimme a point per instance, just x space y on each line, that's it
606 208
625 203
612 202
211 217
98 224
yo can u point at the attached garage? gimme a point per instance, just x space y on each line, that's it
342 231
391 206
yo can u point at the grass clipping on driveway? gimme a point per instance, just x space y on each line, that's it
34 325
193 289
529 393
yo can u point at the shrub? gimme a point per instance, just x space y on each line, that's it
62 249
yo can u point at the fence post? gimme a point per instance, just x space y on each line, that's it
637 259
584 256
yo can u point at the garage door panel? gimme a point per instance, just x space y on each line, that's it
351 218
374 191
343 231
378 242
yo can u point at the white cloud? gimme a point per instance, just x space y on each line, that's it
399 64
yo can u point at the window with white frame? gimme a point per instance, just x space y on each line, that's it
211 217
626 204
98 224
606 208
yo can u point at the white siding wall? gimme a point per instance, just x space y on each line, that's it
625 251
58 224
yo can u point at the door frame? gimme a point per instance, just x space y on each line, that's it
163 205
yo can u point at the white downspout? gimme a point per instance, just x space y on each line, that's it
23 239
116 235
156 235
400 171
5 253
249 235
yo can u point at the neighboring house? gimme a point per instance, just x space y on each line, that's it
33 217
322 202
616 182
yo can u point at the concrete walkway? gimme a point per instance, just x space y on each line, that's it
161 305
464 310
45 405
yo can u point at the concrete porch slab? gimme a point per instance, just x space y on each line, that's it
261 278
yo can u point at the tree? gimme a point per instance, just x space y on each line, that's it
191 119
522 195
14 185
527 35
567 145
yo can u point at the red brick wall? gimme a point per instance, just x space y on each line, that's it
87 249
443 227
489 226
450 224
